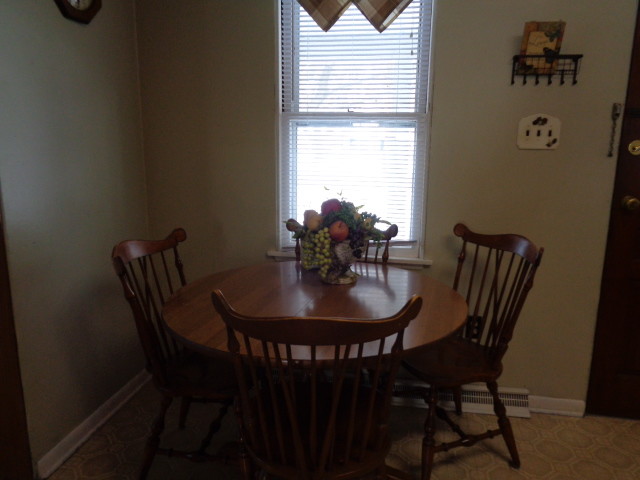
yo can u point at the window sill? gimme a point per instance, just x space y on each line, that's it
281 256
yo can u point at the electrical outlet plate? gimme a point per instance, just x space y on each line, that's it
539 132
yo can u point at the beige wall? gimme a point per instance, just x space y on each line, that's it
208 98
208 90
72 183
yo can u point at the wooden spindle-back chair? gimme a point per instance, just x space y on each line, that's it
150 271
315 392
371 253
495 274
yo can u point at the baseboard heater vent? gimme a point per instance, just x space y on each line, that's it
475 398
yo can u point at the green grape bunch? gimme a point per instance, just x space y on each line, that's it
317 251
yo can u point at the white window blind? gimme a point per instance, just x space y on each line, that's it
353 120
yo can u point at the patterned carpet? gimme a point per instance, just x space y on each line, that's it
551 447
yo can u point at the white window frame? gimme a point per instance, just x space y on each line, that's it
409 250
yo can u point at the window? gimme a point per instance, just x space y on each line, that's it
353 121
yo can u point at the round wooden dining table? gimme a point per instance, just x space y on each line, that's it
273 289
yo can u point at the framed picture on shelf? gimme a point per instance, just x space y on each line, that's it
544 39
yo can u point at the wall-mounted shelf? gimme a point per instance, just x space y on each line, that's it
549 65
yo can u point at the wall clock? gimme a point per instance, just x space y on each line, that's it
79 10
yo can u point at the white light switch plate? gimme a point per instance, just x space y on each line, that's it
539 132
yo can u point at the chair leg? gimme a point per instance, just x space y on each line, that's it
457 399
428 442
215 426
246 465
153 442
391 473
504 424
185 405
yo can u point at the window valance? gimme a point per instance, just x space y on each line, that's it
380 13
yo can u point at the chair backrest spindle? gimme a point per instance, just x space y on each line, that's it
390 233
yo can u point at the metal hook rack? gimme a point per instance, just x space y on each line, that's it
547 65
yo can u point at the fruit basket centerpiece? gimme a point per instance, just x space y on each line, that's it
333 239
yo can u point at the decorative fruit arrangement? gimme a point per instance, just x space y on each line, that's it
334 238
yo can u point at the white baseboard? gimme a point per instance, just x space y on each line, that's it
557 406
69 444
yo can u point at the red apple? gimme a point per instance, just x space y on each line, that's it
331 205
338 231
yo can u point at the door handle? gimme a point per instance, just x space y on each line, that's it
634 147
630 203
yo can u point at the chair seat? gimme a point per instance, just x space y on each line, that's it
451 363
195 375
